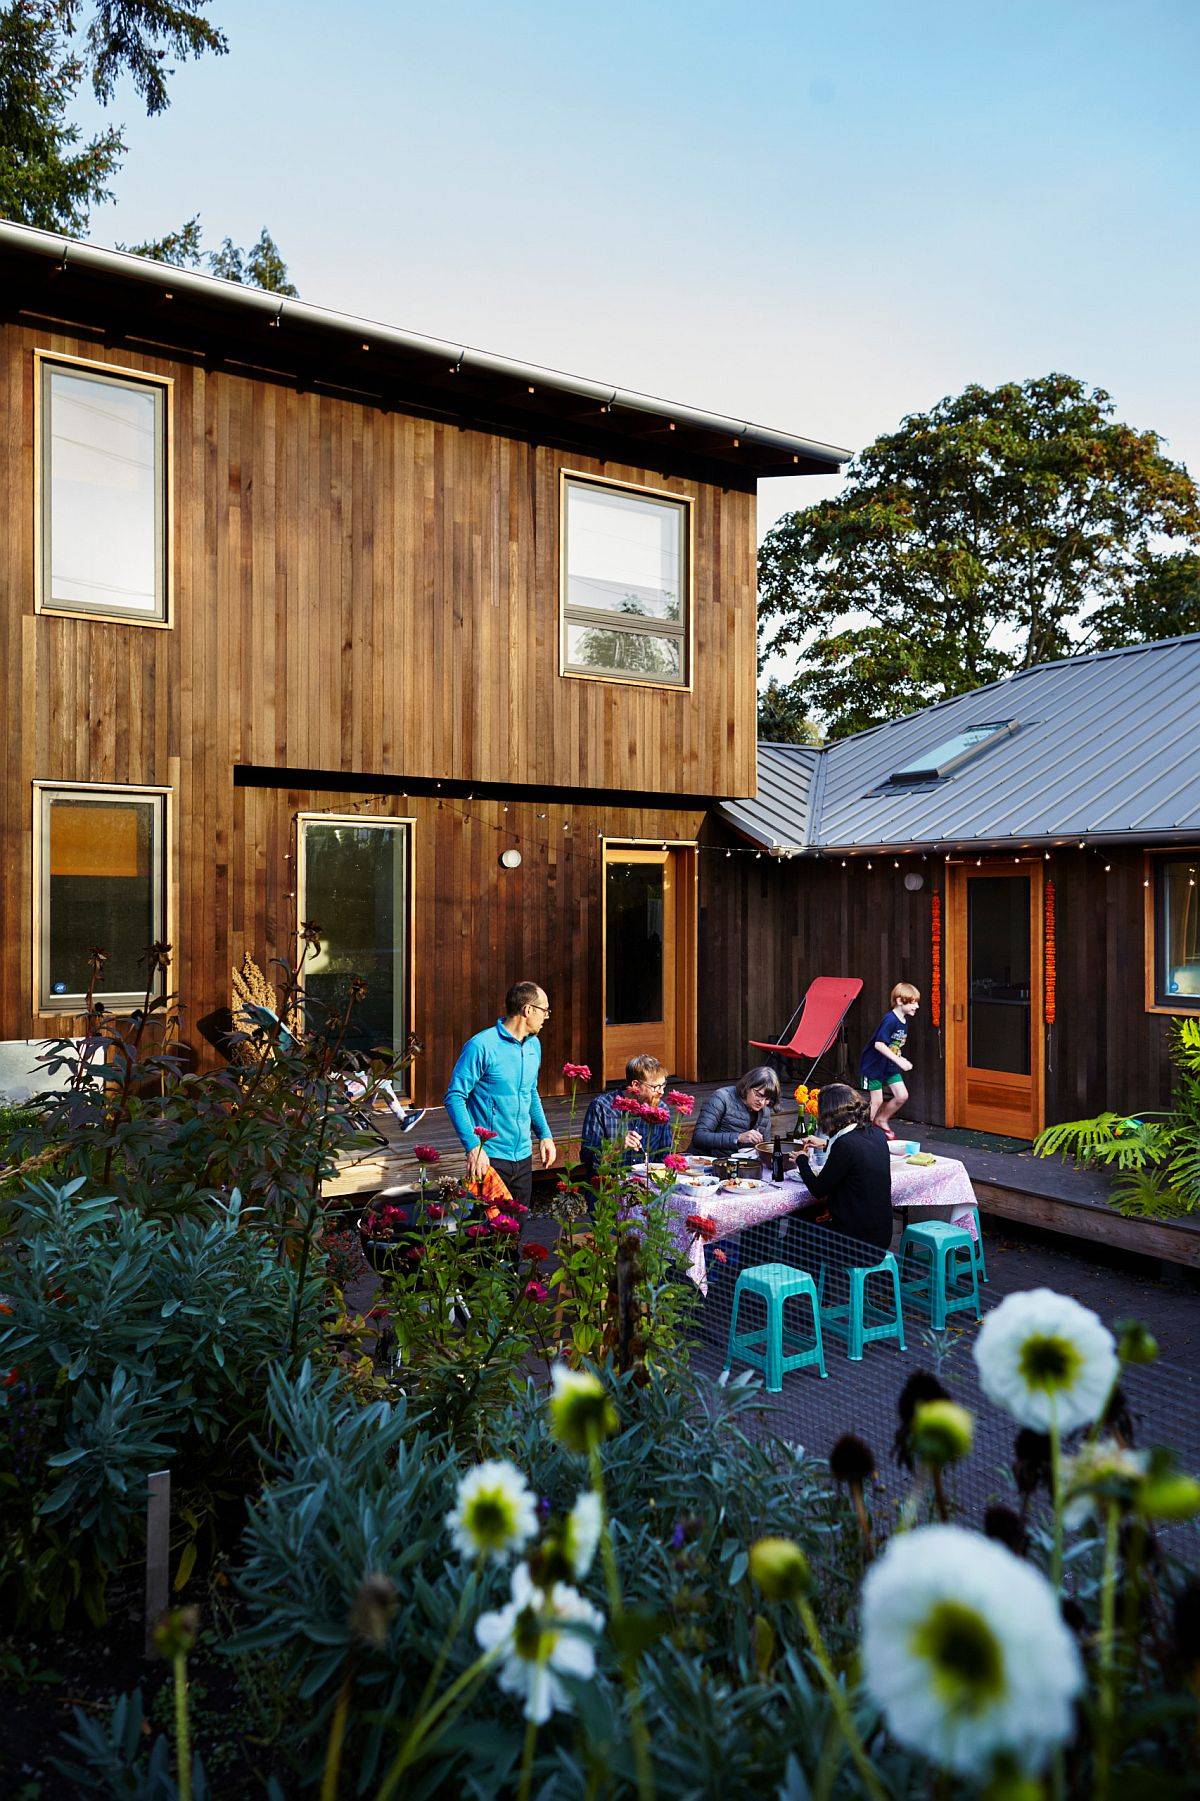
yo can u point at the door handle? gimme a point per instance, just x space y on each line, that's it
959 1013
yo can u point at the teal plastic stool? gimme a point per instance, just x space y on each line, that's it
951 1280
859 1320
980 1259
766 1347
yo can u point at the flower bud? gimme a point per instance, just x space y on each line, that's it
1135 1343
372 1609
175 1631
1170 1496
581 1413
780 1569
941 1432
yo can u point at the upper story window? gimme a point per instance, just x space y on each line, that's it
103 500
626 578
101 882
1177 933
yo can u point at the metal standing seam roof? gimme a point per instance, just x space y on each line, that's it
1108 746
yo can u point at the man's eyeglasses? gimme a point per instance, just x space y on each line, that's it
538 1007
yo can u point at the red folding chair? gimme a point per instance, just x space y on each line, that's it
821 1012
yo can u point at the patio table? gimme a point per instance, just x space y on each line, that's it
940 1190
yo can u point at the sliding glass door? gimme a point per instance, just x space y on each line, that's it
355 887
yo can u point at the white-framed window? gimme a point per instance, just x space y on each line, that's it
355 885
103 457
625 583
100 883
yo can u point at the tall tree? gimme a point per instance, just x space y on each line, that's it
1002 528
782 718
48 178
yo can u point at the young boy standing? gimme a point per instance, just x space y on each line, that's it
883 1063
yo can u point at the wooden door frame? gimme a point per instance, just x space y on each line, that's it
958 872
687 915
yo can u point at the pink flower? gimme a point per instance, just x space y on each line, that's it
659 1115
627 1103
434 1211
675 1162
576 1072
478 1231
485 1134
427 1153
682 1103
720 1256
506 1226
702 1226
536 1291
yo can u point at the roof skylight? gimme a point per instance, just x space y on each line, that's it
950 756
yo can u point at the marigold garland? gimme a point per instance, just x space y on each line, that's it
935 978
1051 951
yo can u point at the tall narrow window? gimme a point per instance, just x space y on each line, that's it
625 584
103 493
1177 960
355 888
101 885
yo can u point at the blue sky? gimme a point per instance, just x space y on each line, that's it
817 218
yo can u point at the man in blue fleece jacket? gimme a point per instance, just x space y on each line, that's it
494 1085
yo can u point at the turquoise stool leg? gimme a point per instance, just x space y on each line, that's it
854 1336
733 1320
894 1273
775 1345
980 1259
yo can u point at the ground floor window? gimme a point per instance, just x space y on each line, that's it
356 888
1177 938
101 883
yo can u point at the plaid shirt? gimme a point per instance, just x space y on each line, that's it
603 1122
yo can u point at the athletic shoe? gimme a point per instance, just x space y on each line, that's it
411 1118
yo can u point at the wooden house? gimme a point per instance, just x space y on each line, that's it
303 617
1027 854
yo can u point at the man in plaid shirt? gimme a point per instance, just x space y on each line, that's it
645 1081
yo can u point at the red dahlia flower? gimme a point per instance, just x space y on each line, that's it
627 1103
478 1231
536 1291
702 1226
506 1226
427 1153
537 1253
674 1161
435 1211
485 1134
682 1103
576 1072
659 1115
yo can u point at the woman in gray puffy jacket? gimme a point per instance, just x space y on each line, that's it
738 1115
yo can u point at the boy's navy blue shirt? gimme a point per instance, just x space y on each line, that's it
893 1031
603 1121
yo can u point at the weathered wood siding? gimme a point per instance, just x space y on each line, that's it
365 593
767 928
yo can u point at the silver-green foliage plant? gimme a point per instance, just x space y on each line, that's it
1156 1155
132 1347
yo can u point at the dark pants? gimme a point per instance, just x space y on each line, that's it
517 1177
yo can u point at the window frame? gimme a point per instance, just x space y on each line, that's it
44 362
685 504
47 1006
1154 891
374 820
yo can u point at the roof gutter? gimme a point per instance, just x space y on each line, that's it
272 309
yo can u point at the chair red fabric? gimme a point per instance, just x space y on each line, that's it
824 1007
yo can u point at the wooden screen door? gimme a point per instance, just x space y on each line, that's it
994 1021
649 958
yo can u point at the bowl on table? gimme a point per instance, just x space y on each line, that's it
904 1147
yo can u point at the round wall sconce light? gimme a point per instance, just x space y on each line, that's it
510 859
913 881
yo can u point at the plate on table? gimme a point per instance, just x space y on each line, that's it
701 1180
700 1162
738 1185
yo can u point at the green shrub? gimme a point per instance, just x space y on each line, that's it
134 1347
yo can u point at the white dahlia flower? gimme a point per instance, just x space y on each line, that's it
583 1533
1043 1357
965 1651
542 1634
495 1513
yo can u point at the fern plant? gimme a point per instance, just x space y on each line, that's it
1156 1155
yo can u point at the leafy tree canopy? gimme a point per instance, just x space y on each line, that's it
49 177
1005 527
782 718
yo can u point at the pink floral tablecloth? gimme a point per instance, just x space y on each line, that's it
942 1186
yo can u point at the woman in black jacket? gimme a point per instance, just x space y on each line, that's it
856 1177
737 1116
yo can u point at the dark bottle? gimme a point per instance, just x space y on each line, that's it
777 1160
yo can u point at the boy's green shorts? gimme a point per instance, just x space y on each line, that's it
874 1084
